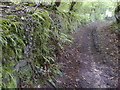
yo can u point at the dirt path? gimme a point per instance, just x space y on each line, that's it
84 65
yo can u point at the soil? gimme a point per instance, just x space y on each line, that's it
88 62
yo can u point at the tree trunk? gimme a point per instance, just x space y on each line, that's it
72 5
117 13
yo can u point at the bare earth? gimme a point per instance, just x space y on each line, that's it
86 63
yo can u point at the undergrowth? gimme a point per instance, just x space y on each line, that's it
32 45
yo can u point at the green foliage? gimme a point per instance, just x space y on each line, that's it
12 47
9 78
11 38
47 40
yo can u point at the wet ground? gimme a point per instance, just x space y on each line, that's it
85 64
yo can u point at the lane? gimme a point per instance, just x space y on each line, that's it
93 73
90 74
83 63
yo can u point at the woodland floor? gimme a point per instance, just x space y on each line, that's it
91 60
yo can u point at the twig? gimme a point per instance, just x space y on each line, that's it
36 7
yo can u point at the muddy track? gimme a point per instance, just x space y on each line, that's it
84 65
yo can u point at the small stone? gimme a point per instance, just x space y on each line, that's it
77 80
